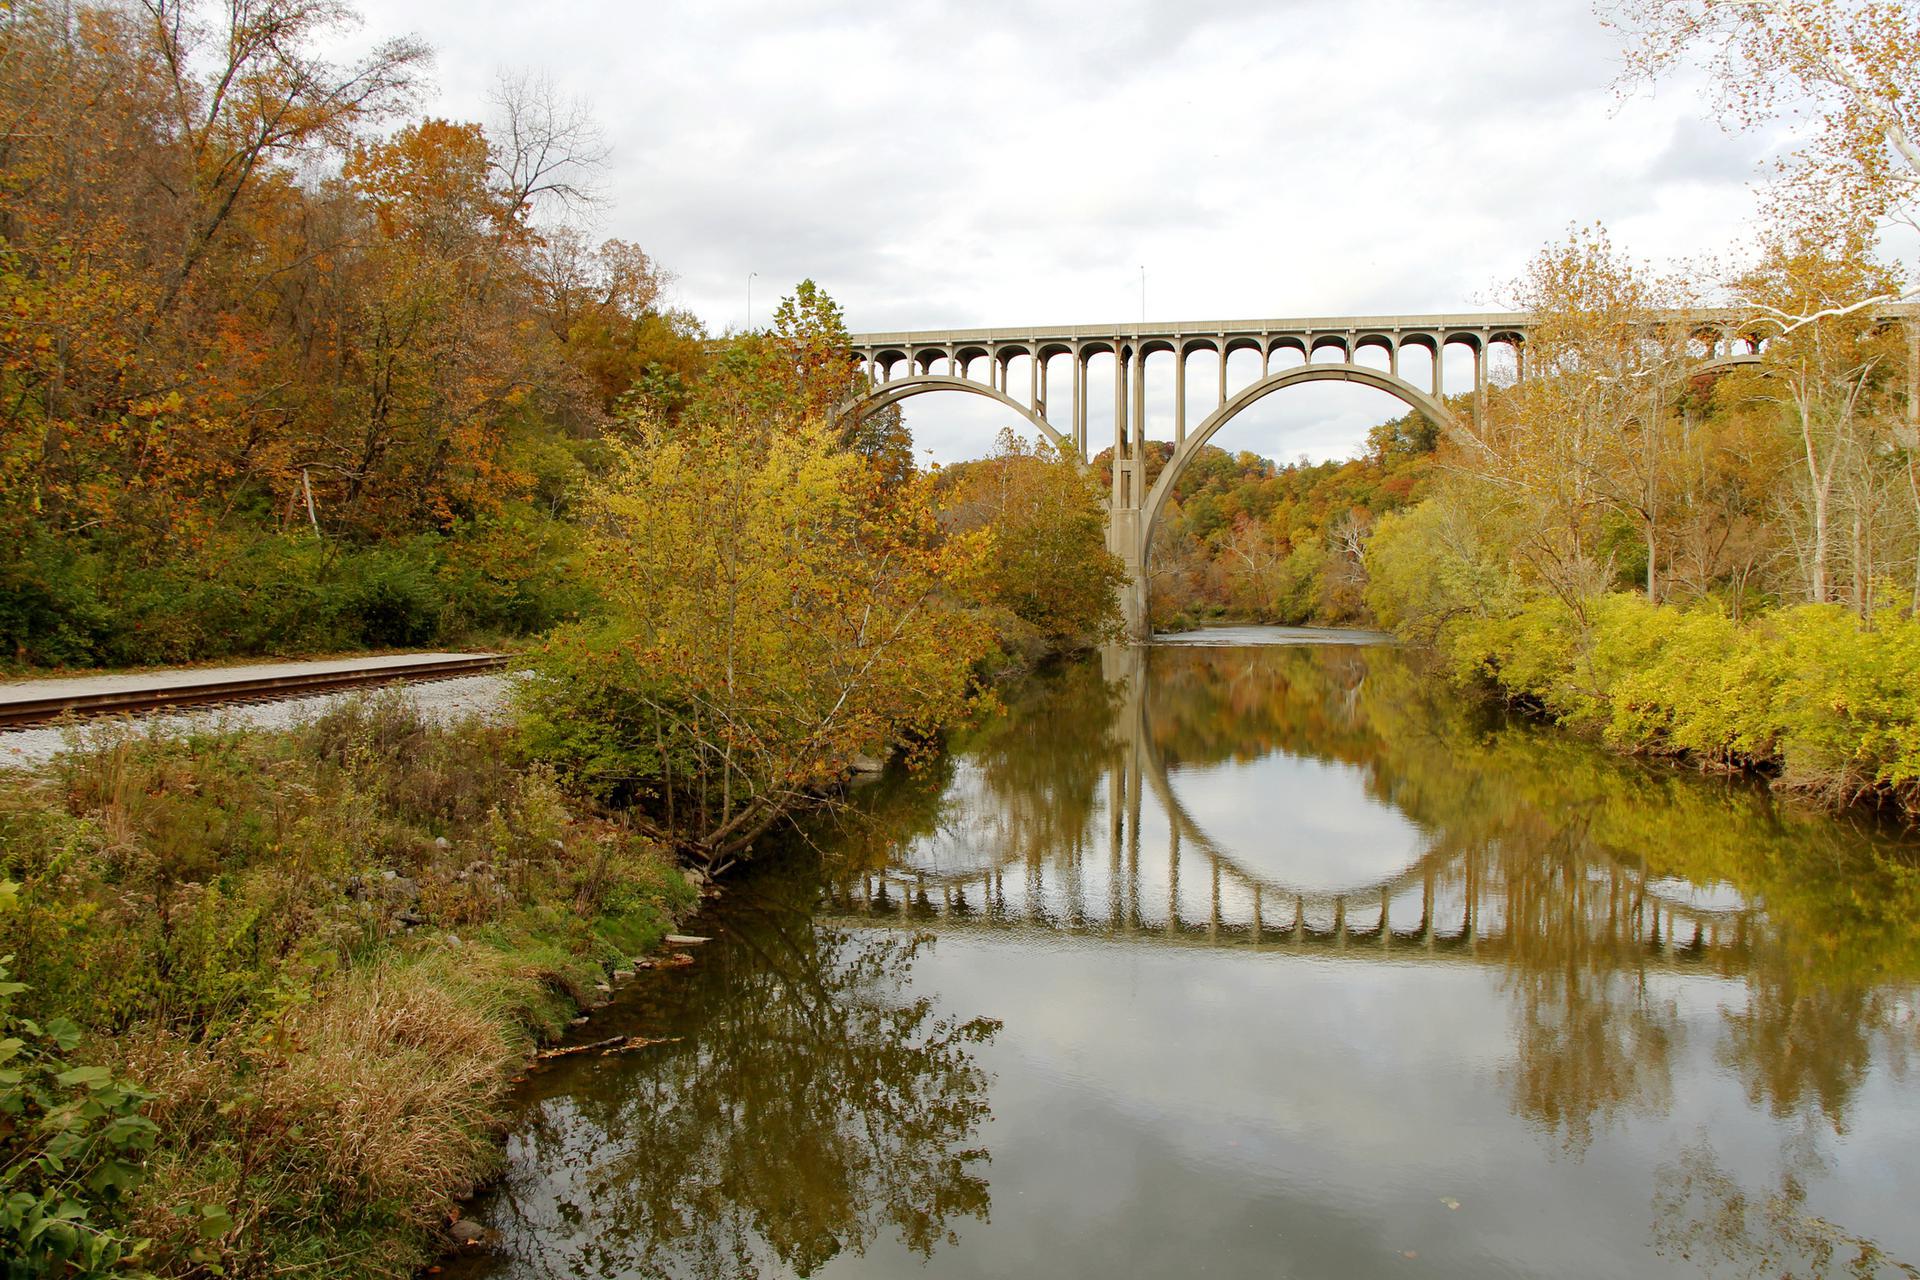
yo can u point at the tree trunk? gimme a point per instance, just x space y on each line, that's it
1653 551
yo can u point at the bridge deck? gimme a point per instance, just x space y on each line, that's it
1443 322
1475 321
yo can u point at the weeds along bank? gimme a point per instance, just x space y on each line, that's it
267 992
1821 701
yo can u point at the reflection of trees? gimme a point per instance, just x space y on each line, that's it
1590 1045
1028 787
1801 1045
812 1105
1043 761
1561 836
1207 705
1552 839
1592 1040
1703 1214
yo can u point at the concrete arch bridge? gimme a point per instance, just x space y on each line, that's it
1365 350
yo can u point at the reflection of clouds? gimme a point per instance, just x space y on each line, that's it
1239 637
972 820
1300 1116
1304 824
1717 896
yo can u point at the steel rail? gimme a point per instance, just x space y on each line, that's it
214 691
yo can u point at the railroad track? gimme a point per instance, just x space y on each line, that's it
21 711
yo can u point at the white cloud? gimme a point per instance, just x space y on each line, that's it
937 164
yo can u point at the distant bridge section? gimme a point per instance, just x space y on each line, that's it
1310 349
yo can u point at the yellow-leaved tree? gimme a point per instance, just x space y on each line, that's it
776 609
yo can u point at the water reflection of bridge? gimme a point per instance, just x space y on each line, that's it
1448 902
1447 914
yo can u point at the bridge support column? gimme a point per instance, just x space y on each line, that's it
1123 509
1080 404
1123 539
1137 436
1913 384
1480 385
1179 398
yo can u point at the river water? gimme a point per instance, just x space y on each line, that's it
1260 954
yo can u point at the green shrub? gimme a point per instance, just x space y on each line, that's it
389 597
72 1145
53 607
606 724
245 593
1808 693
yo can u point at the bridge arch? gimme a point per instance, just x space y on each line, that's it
1722 364
887 393
1189 449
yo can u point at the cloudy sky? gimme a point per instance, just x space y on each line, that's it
937 164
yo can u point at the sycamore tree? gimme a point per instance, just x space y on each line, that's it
1829 379
1839 77
1584 442
1839 73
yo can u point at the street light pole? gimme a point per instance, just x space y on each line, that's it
750 276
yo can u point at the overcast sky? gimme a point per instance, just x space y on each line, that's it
939 164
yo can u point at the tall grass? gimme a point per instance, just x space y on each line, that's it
323 953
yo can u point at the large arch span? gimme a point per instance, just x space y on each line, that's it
1186 450
894 392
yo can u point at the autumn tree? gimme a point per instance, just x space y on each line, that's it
1830 375
774 611
1586 436
1840 74
607 305
1047 569
1846 68
244 304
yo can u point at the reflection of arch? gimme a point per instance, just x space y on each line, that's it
1158 777
1443 902
1190 448
1416 872
888 393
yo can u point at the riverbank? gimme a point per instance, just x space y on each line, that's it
318 958
1804 696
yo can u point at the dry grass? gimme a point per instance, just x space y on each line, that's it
398 1081
258 928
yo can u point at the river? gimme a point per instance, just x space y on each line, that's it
1262 953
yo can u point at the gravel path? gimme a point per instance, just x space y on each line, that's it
129 681
442 699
